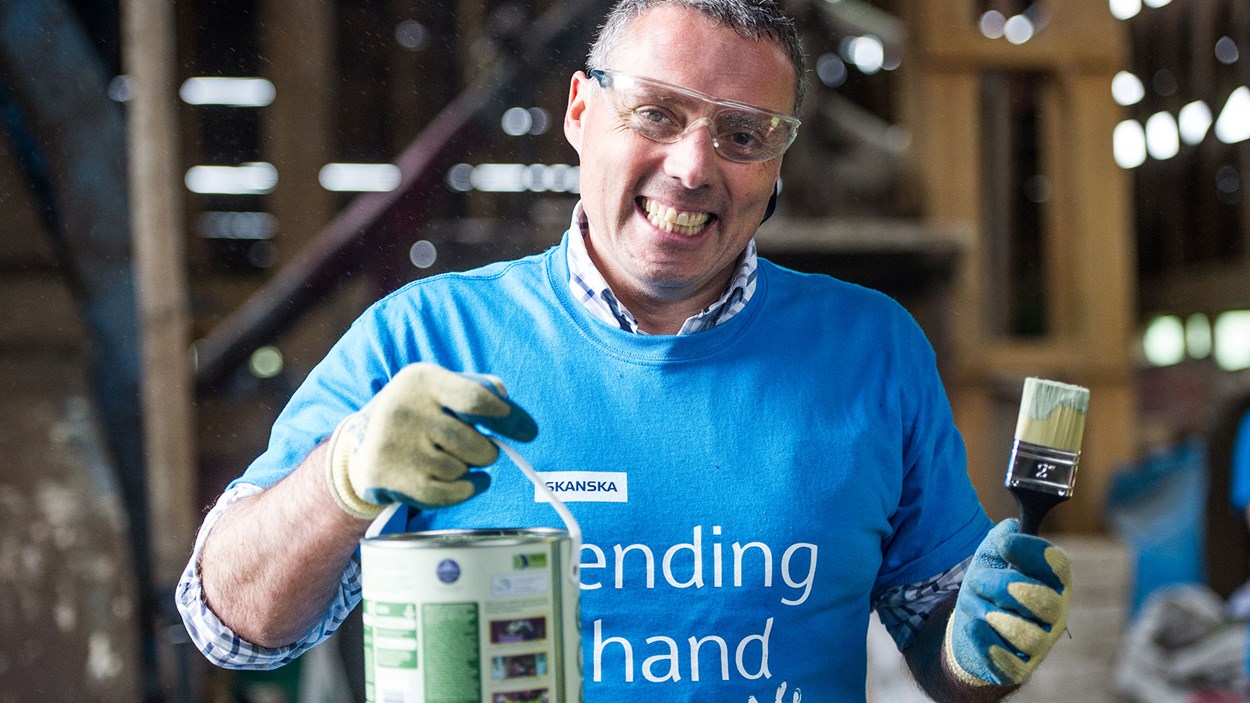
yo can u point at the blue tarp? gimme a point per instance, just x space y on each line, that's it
1156 507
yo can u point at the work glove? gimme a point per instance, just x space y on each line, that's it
415 441
1012 607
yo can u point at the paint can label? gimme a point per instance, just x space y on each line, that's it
470 617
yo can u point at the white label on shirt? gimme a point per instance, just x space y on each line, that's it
585 486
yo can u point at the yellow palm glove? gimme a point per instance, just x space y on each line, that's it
1011 608
415 441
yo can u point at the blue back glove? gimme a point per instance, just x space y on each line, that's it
1012 607
417 439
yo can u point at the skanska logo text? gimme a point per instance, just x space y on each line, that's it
580 486
584 486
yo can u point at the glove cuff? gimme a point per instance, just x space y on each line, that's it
342 443
952 664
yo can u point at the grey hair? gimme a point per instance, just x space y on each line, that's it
753 19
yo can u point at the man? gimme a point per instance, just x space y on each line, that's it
786 435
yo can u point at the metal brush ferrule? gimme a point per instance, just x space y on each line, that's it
1042 468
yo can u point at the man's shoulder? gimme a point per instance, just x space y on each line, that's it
823 289
482 280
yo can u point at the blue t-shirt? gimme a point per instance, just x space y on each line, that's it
768 476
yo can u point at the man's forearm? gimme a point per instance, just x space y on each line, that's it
927 660
274 560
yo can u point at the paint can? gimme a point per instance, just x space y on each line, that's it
471 616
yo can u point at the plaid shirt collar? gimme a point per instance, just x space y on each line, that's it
592 290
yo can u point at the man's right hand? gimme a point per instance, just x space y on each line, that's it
415 441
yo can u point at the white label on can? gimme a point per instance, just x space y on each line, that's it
520 584
585 486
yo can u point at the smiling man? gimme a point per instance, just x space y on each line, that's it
758 457
633 184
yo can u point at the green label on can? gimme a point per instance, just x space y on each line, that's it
453 669
390 636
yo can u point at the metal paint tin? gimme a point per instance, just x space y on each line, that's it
471 616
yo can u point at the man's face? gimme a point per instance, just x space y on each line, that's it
623 174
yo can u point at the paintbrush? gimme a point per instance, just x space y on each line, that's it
1047 447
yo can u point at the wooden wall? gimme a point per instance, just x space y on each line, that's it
1086 238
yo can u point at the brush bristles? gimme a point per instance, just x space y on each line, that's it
1052 414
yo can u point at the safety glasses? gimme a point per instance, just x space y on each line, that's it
666 113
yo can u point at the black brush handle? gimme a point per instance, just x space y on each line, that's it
1034 504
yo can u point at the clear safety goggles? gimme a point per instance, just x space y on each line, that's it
662 112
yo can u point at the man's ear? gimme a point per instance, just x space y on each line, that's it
772 202
579 93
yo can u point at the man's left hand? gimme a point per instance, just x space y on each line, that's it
1011 609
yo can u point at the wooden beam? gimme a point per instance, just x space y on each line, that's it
1210 289
1080 35
297 126
319 266
1087 231
155 198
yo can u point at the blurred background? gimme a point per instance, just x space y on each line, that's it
197 197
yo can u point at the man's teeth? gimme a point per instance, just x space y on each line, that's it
673 220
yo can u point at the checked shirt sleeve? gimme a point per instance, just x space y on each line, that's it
904 609
222 646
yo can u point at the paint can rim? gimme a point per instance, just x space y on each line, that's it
451 539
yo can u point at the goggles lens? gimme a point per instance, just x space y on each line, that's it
663 113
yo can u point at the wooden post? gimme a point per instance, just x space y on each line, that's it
297 130
1087 234
298 125
160 281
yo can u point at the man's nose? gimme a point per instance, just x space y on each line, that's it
692 158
